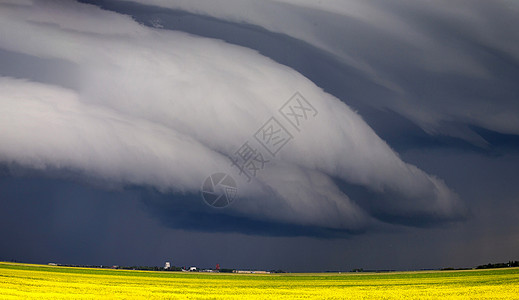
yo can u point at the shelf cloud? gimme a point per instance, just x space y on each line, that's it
143 106
428 55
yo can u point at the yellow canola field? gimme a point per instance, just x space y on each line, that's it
52 282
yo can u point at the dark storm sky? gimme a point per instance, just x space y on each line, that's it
111 117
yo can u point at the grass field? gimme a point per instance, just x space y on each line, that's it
41 281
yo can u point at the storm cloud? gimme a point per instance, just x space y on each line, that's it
427 55
163 109
117 111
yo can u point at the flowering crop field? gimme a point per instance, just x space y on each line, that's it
41 281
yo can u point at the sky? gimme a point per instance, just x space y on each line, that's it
381 135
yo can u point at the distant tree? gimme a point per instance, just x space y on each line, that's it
499 265
226 270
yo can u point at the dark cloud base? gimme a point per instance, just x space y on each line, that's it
177 211
44 220
173 212
379 206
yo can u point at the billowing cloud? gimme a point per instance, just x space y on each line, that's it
148 107
428 55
